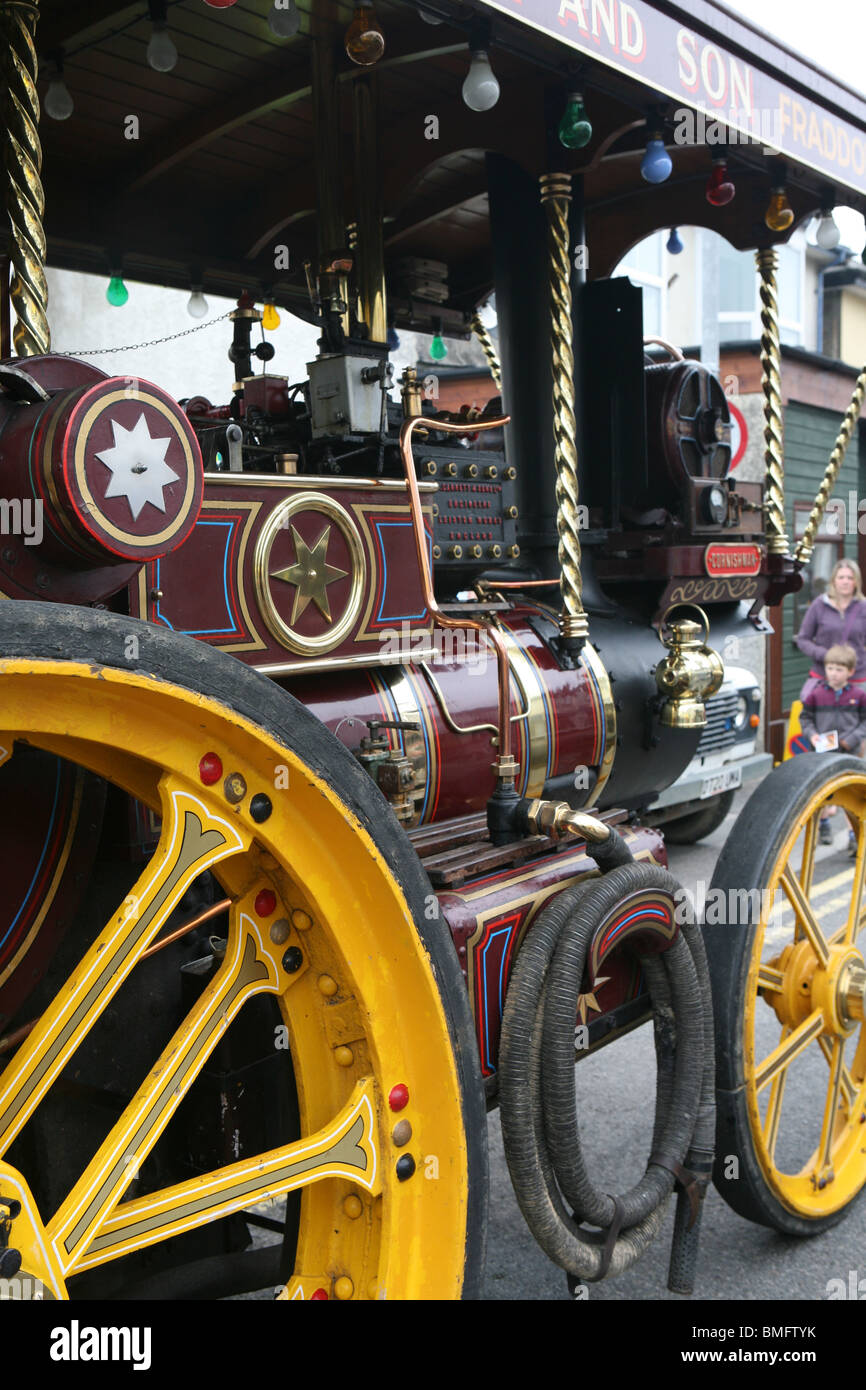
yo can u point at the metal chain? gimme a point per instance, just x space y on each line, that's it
154 342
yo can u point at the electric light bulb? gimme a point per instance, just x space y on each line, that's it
720 189
674 242
438 350
58 102
779 214
480 89
270 317
656 164
284 18
393 339
161 52
197 305
827 235
220 4
488 316
117 294
429 18
575 130
365 42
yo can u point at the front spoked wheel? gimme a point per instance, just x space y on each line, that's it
329 915
787 964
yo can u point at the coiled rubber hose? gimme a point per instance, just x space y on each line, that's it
539 1113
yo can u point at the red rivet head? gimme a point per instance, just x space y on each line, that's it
266 903
320 1296
210 769
398 1097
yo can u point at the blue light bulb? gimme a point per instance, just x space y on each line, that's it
393 340
656 164
674 244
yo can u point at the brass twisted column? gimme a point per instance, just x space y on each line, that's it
803 553
25 199
556 197
771 384
486 342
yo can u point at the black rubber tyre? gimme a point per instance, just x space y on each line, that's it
47 632
687 830
746 863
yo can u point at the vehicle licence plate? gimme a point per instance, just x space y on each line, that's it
722 782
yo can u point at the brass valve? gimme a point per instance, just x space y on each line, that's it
689 673
556 818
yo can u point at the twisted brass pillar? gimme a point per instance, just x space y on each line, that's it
489 350
25 199
803 553
556 197
771 384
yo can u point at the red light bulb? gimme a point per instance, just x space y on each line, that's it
220 4
720 189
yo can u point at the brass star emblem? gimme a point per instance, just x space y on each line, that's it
589 1000
311 574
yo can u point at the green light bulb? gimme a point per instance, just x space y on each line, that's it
575 130
438 350
117 293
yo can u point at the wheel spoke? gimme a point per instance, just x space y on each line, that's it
850 1089
804 915
193 839
770 978
249 968
790 1047
807 865
774 1108
852 926
345 1148
823 1167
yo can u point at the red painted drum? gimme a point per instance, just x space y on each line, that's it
563 727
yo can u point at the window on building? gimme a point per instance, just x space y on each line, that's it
829 547
739 300
643 266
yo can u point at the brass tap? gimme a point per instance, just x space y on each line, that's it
688 674
556 818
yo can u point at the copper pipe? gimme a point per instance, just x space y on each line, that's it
420 535
516 584
13 1039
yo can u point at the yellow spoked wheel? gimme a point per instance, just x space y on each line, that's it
330 918
785 937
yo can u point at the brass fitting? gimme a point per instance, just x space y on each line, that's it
690 673
556 818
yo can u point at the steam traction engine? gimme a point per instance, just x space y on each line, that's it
352 704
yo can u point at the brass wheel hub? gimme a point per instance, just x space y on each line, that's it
839 990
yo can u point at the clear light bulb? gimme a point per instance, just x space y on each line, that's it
58 102
480 90
197 305
284 18
429 18
161 52
827 235
270 317
365 42
117 294
488 316
656 164
674 242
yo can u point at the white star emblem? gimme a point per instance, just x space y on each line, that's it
139 471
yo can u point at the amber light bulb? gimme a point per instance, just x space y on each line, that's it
365 42
779 214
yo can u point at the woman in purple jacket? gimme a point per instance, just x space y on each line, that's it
835 618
